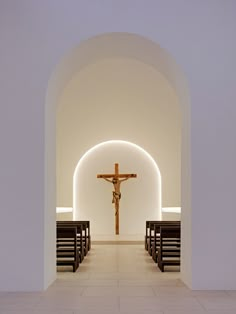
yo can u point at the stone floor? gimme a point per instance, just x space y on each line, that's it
118 279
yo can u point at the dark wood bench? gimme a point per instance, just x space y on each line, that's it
86 231
150 232
170 248
155 242
147 234
67 249
87 236
80 236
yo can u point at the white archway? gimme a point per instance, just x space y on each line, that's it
141 199
140 48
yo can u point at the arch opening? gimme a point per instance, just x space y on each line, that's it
139 48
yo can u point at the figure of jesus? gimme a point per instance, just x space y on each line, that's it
116 193
116 180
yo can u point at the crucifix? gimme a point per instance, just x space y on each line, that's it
116 178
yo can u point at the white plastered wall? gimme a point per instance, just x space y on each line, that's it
119 98
33 40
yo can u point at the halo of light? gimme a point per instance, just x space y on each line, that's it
110 142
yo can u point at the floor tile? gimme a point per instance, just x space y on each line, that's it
118 291
218 303
19 301
187 311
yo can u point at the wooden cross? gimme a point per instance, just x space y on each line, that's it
116 179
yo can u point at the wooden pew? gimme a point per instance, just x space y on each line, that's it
150 232
155 244
80 236
169 250
147 234
86 237
67 249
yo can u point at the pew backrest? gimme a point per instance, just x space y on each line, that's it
170 246
67 249
152 228
85 231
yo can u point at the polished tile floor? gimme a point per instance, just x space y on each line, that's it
118 279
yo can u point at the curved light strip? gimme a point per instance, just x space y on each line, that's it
91 150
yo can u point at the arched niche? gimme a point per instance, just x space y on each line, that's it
141 196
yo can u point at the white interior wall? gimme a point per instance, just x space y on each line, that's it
33 41
119 98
